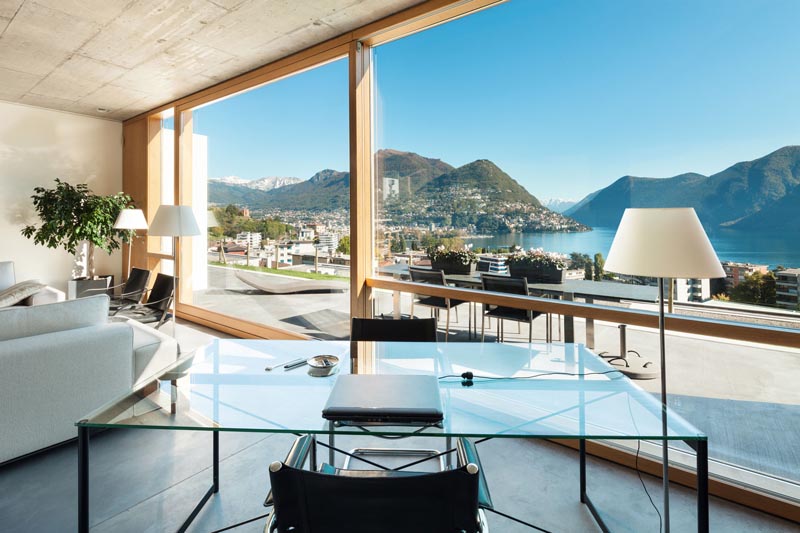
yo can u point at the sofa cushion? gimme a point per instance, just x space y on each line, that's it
19 291
17 322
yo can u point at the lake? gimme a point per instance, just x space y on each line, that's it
744 247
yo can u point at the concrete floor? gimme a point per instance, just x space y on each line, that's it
149 480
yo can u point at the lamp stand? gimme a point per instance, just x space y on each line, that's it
665 442
174 284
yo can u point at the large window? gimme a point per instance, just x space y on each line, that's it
535 124
266 172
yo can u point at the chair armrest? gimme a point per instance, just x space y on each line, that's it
104 289
468 454
296 458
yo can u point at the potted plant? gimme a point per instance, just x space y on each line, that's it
537 266
76 219
453 261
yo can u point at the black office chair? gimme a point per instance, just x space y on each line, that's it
156 309
508 285
437 303
357 501
375 329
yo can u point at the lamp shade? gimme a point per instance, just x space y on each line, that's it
130 219
174 221
663 243
211 219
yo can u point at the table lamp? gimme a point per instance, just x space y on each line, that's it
131 220
663 243
174 221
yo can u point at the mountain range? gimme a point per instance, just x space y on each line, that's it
419 190
761 195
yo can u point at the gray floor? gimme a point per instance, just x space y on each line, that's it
149 480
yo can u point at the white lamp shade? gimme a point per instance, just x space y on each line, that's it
174 221
130 219
212 221
663 243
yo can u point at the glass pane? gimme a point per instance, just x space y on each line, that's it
269 187
534 125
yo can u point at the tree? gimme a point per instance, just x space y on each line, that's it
73 217
599 264
582 261
344 245
757 288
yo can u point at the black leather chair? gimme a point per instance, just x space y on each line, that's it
156 308
511 286
131 291
375 329
433 277
333 500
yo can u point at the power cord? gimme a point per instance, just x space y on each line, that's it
468 378
639 473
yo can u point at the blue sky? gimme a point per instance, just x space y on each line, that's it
564 96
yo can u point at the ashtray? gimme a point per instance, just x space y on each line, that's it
322 365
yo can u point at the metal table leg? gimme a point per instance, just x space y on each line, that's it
83 479
212 490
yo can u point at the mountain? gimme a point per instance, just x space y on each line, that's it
261 184
753 195
412 170
483 177
326 190
272 182
604 208
559 205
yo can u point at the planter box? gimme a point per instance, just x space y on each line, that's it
537 275
454 268
80 288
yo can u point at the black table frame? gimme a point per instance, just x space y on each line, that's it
700 446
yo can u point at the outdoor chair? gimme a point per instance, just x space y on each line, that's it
501 313
334 500
436 303
156 308
376 329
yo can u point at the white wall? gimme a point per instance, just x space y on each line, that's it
36 147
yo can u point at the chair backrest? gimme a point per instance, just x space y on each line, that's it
161 293
505 284
375 329
360 502
135 285
424 275
483 266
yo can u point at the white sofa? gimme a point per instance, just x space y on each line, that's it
46 295
60 361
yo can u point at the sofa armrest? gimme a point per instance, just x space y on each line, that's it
48 295
153 351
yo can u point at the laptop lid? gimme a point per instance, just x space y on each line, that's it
384 399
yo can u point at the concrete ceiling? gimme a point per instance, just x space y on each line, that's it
128 57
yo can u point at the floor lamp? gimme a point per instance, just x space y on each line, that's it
174 221
663 243
131 220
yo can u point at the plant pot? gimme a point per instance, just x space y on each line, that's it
454 268
536 274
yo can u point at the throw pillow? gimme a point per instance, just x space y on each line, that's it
20 291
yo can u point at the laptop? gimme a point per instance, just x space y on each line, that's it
385 399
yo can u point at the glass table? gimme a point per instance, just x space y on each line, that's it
550 391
